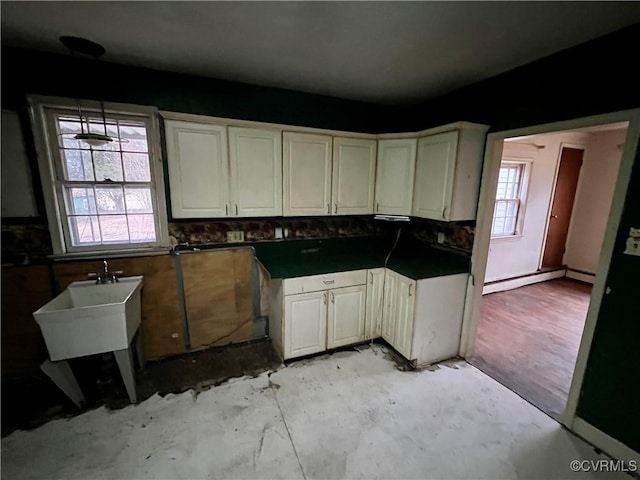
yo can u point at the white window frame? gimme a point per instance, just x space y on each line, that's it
49 164
525 165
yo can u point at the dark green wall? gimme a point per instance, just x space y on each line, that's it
29 72
594 78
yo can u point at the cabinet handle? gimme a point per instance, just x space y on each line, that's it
335 210
226 210
371 278
333 297
328 208
411 289
236 209
328 282
324 298
377 207
444 210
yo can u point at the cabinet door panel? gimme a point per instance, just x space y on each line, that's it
305 324
375 303
389 316
435 169
346 316
256 172
403 336
307 174
198 169
354 162
394 177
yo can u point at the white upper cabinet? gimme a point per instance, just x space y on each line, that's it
255 158
354 170
448 169
394 177
435 168
306 174
198 169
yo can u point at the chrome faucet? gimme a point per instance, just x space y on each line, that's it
106 276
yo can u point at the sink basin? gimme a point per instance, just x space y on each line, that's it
87 318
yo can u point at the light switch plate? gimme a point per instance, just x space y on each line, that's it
633 242
235 236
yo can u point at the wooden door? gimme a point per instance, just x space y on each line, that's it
375 302
390 314
562 207
354 172
394 176
305 318
198 169
256 172
346 316
306 174
218 290
435 170
403 336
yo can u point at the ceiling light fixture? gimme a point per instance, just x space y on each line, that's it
95 50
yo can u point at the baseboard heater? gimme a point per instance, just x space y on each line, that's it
522 280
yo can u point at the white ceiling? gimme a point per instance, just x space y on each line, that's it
383 52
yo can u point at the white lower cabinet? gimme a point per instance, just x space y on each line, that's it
311 314
422 319
306 324
375 303
346 316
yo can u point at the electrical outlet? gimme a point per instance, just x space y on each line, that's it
440 238
278 232
633 242
235 236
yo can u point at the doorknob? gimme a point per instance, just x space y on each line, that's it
554 216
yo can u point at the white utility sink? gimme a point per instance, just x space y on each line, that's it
89 318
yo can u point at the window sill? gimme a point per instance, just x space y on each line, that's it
143 252
507 238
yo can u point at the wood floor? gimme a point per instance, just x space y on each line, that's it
528 339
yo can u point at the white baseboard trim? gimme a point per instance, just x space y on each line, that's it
510 284
604 442
583 277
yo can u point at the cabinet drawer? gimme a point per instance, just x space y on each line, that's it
315 283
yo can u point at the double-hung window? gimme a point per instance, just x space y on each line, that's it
101 197
510 197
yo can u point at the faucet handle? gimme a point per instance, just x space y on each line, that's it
115 275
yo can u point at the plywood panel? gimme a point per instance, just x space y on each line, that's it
24 290
219 296
161 321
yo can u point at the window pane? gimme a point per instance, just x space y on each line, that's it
77 164
110 200
136 134
108 165
512 209
499 224
510 225
81 201
136 167
85 230
138 199
142 228
501 209
114 228
502 190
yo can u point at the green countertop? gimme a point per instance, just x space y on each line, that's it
299 258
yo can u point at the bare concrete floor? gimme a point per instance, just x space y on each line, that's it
349 415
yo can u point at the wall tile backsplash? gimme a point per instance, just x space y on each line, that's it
31 243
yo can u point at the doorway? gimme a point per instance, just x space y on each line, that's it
557 257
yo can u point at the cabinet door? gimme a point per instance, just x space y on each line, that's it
256 172
394 177
375 303
435 170
306 174
403 336
305 329
354 164
390 315
198 169
346 316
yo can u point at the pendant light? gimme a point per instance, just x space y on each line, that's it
95 50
